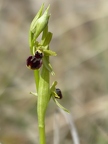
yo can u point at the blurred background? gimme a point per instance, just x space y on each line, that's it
80 39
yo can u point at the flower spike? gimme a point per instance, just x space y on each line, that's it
39 58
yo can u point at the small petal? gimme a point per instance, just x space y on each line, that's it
59 105
33 63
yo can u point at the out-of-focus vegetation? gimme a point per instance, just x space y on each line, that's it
80 38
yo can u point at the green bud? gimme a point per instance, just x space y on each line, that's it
34 22
41 23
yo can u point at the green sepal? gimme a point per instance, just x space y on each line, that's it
48 65
49 52
34 22
46 50
52 88
31 41
59 105
55 95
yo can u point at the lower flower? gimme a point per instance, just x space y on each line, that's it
33 63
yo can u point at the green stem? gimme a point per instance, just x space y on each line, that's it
43 95
36 75
42 138
43 99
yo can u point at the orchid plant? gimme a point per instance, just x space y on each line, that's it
39 62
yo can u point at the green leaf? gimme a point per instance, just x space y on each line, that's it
59 105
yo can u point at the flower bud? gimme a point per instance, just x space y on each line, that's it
34 21
41 23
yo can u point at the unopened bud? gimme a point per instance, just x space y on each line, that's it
42 23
